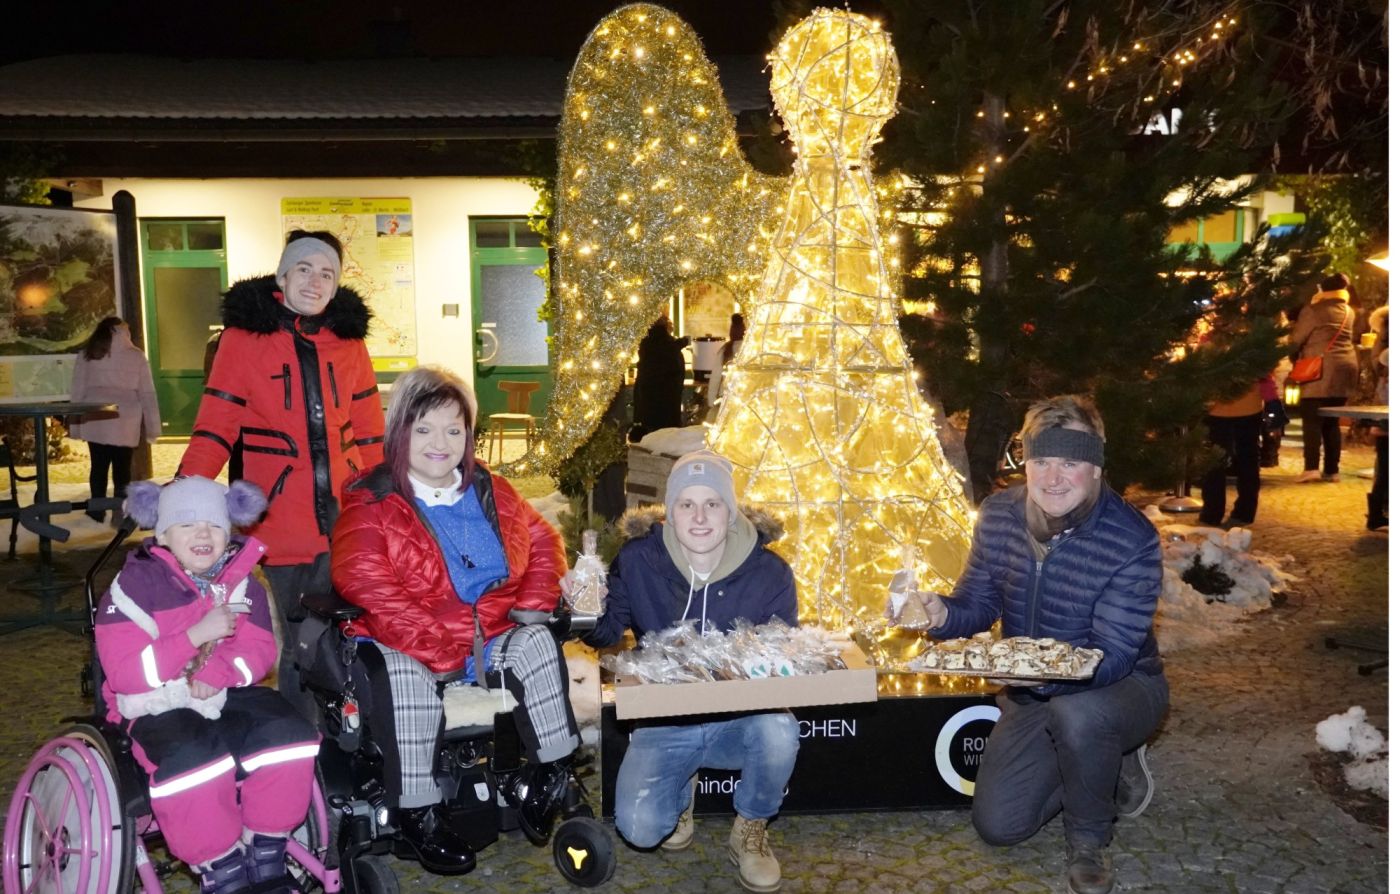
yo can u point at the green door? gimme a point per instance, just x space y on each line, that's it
510 339
186 267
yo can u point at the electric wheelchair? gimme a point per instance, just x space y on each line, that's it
80 822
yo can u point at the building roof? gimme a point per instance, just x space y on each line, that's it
154 94
113 115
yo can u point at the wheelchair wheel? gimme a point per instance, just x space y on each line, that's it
583 852
65 830
373 876
311 841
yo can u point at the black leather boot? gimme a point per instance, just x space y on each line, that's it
1375 512
537 794
424 836
1090 871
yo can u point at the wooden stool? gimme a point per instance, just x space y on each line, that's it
517 415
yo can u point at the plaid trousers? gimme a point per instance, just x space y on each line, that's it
526 660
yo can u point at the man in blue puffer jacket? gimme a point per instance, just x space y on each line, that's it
708 562
1065 557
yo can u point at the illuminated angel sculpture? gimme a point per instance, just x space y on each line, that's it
653 194
822 417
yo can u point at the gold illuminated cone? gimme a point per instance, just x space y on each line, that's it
822 416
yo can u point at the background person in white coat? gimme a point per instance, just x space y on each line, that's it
112 370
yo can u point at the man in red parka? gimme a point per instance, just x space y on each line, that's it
292 378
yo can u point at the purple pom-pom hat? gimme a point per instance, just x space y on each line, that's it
194 499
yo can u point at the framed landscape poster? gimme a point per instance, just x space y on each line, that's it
58 280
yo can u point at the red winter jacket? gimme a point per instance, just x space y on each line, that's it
384 558
300 391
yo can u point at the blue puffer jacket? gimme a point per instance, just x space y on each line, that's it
647 591
1096 588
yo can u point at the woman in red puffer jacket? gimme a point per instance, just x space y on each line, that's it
438 550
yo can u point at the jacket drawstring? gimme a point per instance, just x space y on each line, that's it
704 599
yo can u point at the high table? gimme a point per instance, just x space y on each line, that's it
1379 487
45 582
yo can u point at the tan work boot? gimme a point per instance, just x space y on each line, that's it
748 849
680 839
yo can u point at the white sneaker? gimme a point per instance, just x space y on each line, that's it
680 839
748 849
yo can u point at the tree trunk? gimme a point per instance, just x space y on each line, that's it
991 419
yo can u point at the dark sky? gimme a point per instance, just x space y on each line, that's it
319 29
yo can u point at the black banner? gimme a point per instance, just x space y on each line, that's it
898 753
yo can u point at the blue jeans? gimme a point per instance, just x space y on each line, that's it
1063 754
653 784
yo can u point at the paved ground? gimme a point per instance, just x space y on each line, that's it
1236 809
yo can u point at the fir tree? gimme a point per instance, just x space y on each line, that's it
1041 203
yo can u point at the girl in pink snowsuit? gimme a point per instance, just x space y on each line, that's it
184 635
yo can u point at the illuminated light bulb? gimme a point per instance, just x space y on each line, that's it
981 169
1148 98
649 110
1071 85
639 53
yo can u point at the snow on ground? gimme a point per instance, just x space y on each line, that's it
551 506
1350 732
674 441
1186 617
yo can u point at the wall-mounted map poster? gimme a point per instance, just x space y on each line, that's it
58 279
378 239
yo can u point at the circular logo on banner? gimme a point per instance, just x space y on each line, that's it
960 745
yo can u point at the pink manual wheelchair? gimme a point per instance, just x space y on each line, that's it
80 822
80 818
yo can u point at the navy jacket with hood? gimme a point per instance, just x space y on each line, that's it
648 591
1097 587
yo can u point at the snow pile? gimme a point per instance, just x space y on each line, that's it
550 507
1351 733
674 441
1187 617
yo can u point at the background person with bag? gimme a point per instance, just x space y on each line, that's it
1323 335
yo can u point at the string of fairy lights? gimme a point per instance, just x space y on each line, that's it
822 416
654 194
1157 67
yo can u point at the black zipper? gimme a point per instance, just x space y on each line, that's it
286 378
278 485
335 389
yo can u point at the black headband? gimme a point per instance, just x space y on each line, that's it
1065 443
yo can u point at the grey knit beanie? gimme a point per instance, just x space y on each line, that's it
706 468
300 249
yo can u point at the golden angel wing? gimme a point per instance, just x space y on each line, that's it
653 193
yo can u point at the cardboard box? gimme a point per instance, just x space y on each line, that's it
837 687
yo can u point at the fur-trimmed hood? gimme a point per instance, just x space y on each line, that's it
637 522
251 304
